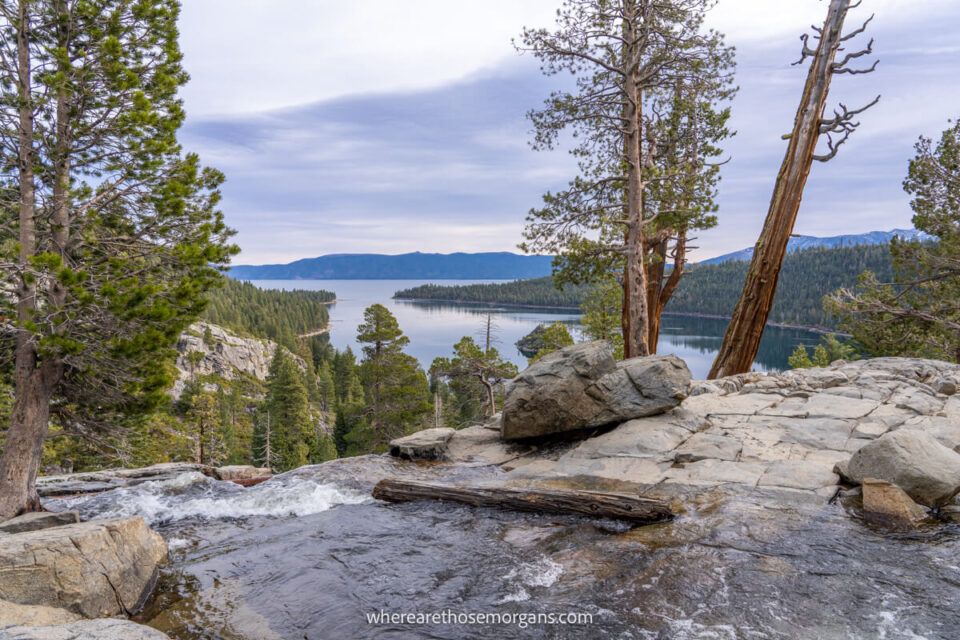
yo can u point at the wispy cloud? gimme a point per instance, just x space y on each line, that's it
420 143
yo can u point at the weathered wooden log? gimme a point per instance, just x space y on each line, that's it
621 506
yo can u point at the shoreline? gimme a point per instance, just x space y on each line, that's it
316 332
683 314
494 304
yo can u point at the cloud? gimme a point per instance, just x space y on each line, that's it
247 56
438 169
335 141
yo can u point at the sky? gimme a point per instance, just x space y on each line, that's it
381 126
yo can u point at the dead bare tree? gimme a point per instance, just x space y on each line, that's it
742 339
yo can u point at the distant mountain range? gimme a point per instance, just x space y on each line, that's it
490 266
407 266
798 243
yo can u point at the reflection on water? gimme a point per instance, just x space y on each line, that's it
697 341
434 327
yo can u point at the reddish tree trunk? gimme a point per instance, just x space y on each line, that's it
742 339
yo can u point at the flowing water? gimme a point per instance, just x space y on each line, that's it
310 555
434 327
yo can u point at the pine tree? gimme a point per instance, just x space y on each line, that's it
203 420
555 337
287 415
395 387
326 389
344 372
829 350
602 309
472 362
111 233
644 117
918 314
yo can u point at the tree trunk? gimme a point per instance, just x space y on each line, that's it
491 397
28 429
742 339
635 341
666 290
28 423
622 506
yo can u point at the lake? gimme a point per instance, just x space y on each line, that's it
434 327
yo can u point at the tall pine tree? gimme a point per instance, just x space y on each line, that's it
109 234
286 413
395 387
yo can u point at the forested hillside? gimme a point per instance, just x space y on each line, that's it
706 289
807 276
802 243
278 315
538 292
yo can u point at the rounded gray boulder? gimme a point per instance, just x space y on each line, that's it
913 460
583 386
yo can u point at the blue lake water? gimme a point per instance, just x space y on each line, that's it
433 327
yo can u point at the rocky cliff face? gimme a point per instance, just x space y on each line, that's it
208 350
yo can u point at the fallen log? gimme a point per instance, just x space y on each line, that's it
621 506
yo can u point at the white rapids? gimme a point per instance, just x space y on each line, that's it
194 495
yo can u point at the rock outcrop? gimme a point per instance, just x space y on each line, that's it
208 350
913 460
205 349
95 569
777 432
794 431
583 386
39 520
85 630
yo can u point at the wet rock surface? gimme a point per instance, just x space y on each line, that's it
97 568
759 548
886 499
97 481
737 562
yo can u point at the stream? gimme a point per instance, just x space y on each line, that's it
309 555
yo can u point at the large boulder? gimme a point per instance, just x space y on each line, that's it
429 444
96 569
583 386
85 630
914 461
